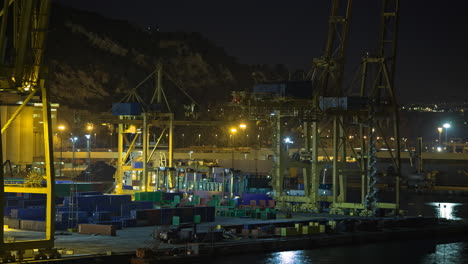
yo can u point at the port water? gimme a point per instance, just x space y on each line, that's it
431 251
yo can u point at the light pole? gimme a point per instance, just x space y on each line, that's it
89 128
440 130
233 132
446 126
61 128
288 141
73 140
88 148
243 127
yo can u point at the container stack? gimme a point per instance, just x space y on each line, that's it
102 209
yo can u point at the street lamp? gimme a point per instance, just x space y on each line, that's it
440 129
446 126
73 140
88 149
288 141
243 127
61 128
199 136
233 132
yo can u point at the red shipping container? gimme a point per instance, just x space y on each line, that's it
271 203
262 203
89 229
135 183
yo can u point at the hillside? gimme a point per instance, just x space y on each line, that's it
94 61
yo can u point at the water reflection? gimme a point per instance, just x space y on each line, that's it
446 210
288 257
447 253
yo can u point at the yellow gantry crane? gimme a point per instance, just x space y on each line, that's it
23 31
335 110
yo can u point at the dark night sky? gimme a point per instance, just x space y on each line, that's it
433 40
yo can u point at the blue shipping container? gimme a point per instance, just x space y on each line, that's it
126 109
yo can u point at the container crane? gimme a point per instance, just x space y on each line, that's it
23 32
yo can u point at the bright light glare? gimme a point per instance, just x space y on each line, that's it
88 136
288 140
446 125
439 149
285 257
446 210
233 130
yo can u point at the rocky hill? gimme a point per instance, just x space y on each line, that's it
94 61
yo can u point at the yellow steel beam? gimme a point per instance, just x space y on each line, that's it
18 111
39 34
387 205
145 183
170 151
49 162
155 145
6 5
163 122
12 189
2 189
31 244
129 149
348 205
361 206
120 164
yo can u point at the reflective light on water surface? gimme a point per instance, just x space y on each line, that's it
446 210
447 253
288 257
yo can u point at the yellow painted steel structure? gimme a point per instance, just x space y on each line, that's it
29 27
142 124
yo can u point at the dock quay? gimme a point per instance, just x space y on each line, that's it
243 235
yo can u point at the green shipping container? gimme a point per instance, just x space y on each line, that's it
197 219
